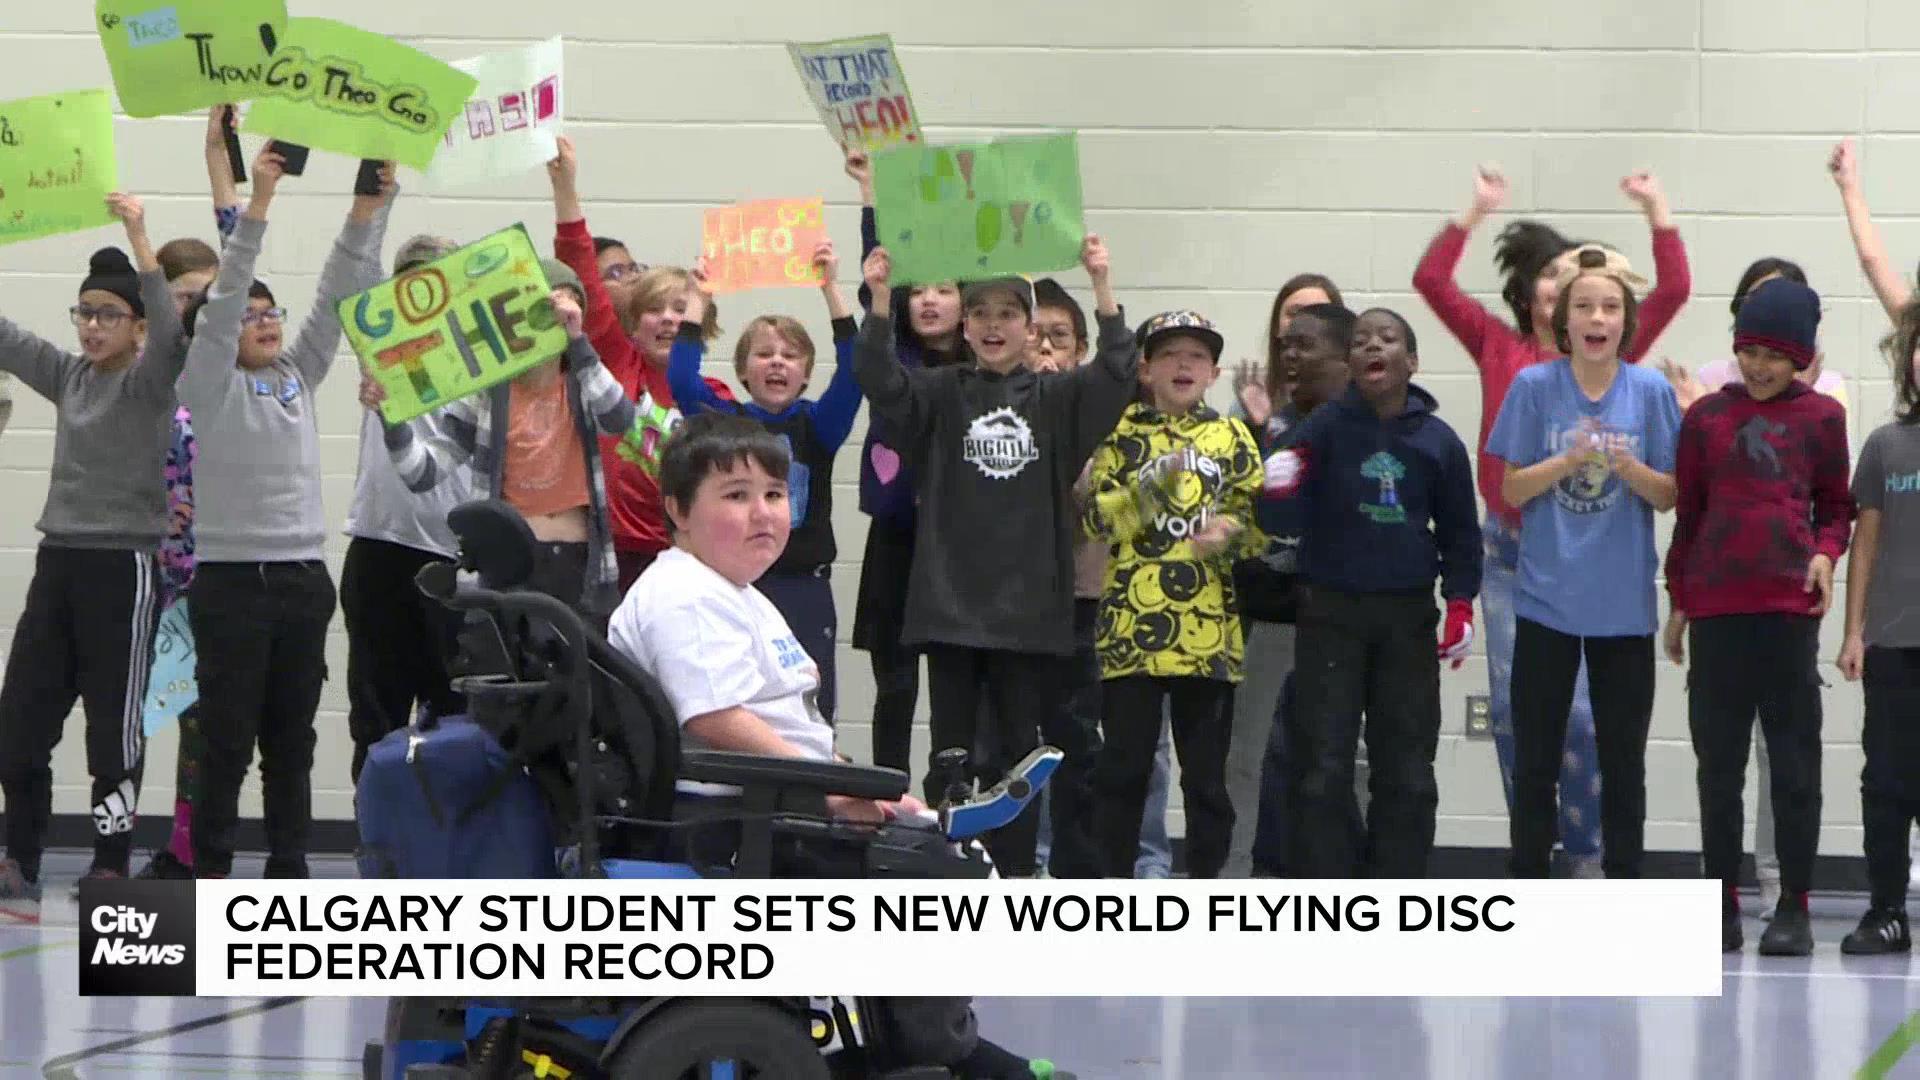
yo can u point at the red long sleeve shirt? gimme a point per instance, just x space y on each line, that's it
639 517
1500 351
1763 489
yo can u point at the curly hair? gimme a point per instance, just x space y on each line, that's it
1899 347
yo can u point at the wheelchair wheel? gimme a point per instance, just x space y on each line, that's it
703 1040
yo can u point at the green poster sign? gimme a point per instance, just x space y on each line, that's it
349 91
456 326
179 56
1011 206
57 165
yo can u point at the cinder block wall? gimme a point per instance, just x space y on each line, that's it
1225 147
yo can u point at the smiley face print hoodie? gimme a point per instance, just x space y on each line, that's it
996 457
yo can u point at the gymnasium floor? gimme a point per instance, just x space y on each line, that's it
1791 1020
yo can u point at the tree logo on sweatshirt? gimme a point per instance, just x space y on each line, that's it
999 444
1386 470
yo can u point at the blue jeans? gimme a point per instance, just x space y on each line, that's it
1580 766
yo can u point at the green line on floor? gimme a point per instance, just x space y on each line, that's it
29 950
1904 1038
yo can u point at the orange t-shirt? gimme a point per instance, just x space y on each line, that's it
545 468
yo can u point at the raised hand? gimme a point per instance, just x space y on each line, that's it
1844 165
1645 190
1686 388
268 168
1490 189
567 310
365 206
877 271
1093 256
859 165
827 260
372 391
129 209
1251 391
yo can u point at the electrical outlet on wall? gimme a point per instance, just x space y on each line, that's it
1479 717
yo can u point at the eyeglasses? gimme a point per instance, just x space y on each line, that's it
108 318
1062 338
276 314
622 271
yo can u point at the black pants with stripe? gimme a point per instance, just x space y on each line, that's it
86 634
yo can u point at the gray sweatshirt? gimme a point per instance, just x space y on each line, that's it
110 440
257 482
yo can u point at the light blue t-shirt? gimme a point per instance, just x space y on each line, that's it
1587 560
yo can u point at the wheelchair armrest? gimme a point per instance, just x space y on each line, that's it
790 774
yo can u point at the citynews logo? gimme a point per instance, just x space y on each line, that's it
136 938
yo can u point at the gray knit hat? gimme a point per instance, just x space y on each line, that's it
420 251
561 276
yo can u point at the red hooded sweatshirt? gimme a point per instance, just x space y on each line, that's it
1763 489
633 498
1500 351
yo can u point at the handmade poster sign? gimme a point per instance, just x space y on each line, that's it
508 126
172 686
57 165
763 245
456 326
858 88
349 91
178 56
1011 206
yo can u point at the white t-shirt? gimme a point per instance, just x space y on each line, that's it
714 645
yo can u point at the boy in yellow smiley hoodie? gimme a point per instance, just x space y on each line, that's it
1173 493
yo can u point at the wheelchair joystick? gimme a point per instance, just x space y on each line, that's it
951 779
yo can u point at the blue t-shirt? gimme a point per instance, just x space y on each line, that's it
1587 560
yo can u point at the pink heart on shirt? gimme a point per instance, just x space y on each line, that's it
886 463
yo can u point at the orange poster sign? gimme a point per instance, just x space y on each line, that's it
763 245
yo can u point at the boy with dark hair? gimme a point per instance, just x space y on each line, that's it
1764 513
996 446
1389 502
738 680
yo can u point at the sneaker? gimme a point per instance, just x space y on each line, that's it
1791 931
1881 930
19 898
165 866
1769 897
98 873
1733 936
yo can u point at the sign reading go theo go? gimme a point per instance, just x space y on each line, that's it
465 322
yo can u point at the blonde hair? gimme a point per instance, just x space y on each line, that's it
786 327
656 289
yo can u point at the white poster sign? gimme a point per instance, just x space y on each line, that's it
509 126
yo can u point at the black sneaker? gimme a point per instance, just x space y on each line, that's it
165 866
1732 935
98 873
1791 932
1881 930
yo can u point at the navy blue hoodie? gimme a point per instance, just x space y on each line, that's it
1389 505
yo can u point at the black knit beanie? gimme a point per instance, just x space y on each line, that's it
110 271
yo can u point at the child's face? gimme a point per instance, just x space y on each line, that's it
776 370
618 272
1177 373
996 330
1309 344
659 326
1305 298
1054 345
1596 318
261 334
1379 363
738 522
1766 372
107 326
187 287
934 311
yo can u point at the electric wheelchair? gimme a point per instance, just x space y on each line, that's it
595 736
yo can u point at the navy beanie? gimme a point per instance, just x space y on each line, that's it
1782 315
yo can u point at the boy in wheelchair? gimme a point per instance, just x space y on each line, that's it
738 680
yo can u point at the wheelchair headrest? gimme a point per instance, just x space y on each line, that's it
495 542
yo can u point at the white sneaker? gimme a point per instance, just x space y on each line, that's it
1769 898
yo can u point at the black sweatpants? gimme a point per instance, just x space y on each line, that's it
399 642
1620 675
1016 695
1743 664
1202 729
1890 780
1371 655
896 694
805 601
86 633
261 632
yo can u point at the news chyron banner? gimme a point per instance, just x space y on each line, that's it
718 938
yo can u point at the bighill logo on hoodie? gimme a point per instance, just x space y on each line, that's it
999 444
